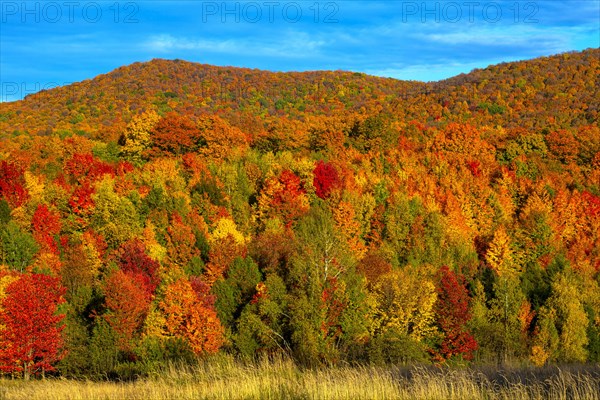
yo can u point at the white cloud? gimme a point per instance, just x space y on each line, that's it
288 45
169 43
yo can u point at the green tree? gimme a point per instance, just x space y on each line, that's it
236 290
326 303
263 324
17 248
504 318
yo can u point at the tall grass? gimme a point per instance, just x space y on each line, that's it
224 378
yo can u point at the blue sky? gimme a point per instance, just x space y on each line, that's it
48 43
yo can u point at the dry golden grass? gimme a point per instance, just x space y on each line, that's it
281 379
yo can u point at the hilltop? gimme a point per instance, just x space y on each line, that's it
563 88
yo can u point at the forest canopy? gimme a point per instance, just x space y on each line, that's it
169 210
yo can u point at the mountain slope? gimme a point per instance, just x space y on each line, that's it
195 88
564 88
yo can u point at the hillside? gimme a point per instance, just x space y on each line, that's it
168 210
196 88
563 87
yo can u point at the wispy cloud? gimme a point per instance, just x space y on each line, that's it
295 45
169 44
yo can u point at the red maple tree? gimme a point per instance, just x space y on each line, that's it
134 261
85 168
326 179
46 226
128 303
285 197
81 201
12 184
31 340
452 309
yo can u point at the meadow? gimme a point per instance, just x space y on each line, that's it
225 378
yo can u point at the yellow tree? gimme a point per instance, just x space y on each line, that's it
505 307
404 301
571 319
115 217
6 278
136 138
349 227
545 341
501 257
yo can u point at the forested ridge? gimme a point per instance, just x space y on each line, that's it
170 210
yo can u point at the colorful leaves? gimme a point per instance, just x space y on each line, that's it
326 179
404 302
86 168
283 197
127 301
154 236
134 261
46 226
452 311
31 339
136 138
175 134
12 184
189 318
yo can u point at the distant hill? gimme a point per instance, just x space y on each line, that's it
564 89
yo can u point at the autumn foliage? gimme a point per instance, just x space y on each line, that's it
326 179
192 317
127 301
175 134
169 210
12 183
453 315
30 337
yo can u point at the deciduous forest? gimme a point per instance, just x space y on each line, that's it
169 211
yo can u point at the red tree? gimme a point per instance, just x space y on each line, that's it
128 303
452 309
81 201
46 225
284 197
12 184
85 168
31 340
475 168
175 134
593 204
203 293
134 261
326 179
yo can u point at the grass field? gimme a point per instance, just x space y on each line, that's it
282 379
